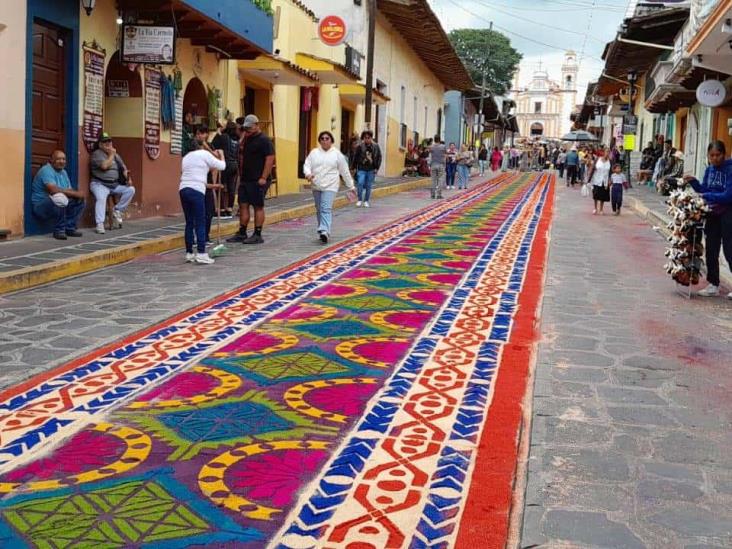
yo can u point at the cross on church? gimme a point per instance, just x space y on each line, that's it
540 65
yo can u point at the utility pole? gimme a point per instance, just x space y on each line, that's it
370 62
482 94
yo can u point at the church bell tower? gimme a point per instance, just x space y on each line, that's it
570 68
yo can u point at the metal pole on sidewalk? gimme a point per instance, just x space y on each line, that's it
482 95
370 62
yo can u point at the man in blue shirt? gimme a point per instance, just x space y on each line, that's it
53 198
572 163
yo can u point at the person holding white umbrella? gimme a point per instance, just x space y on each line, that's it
324 167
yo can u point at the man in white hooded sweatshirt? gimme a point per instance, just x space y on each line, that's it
324 167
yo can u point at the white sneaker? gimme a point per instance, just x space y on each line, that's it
204 259
358 204
190 258
100 228
729 295
117 215
709 291
366 205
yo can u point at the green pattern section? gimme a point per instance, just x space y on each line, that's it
252 417
130 514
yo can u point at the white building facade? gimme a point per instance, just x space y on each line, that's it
543 108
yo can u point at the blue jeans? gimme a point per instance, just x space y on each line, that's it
194 209
364 183
463 176
65 219
324 209
450 171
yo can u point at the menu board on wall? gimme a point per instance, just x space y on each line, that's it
152 113
93 118
176 133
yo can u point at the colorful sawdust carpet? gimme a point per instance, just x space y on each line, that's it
342 402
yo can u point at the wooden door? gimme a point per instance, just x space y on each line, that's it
345 131
48 131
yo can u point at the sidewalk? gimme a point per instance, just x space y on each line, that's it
651 206
36 260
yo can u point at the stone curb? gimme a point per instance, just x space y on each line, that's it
29 277
660 221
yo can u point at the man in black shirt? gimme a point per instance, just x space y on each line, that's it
256 159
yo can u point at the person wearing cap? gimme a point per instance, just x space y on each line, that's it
256 160
54 199
675 172
109 176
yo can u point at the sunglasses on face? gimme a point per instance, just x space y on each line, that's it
325 138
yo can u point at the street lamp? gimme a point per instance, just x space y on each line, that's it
88 5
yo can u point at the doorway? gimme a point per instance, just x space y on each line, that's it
346 131
48 130
195 101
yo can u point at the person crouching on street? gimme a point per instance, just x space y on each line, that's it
716 189
324 167
192 190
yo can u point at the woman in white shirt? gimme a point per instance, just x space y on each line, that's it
192 191
599 179
324 168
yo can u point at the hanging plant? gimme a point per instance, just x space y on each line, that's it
264 5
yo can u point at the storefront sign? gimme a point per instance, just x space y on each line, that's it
711 93
152 112
118 88
148 44
332 30
93 118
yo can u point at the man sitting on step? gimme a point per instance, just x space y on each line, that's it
54 199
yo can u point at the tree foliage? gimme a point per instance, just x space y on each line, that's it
490 51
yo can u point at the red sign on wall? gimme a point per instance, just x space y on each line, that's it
332 30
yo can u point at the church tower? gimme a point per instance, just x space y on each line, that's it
570 68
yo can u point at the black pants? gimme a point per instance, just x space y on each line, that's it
718 231
616 197
229 181
210 212
560 168
571 174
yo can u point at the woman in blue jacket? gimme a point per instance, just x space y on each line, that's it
716 189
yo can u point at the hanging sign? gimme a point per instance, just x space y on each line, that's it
148 44
93 118
332 30
711 93
176 133
152 113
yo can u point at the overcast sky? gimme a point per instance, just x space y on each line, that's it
543 29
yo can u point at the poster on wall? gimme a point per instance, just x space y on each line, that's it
118 88
148 44
93 118
152 113
176 134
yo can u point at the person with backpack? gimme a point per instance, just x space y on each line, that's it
366 162
228 141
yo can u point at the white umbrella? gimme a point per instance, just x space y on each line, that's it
579 135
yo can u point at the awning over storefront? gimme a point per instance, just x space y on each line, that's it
357 94
277 71
659 27
418 25
712 40
234 28
327 70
